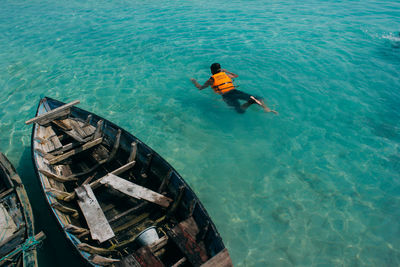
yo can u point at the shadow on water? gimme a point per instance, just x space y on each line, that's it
389 50
386 120
55 250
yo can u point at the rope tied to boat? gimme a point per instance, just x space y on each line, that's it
27 245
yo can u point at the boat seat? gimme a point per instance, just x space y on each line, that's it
145 256
222 259
157 246
134 190
53 114
55 159
97 222
49 139
60 149
79 131
184 236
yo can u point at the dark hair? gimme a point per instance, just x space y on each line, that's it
215 68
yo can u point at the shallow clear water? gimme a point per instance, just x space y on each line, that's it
318 185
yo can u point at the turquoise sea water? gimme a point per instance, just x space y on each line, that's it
318 185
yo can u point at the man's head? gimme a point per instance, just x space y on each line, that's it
215 68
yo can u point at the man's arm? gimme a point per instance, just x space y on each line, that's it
230 74
201 87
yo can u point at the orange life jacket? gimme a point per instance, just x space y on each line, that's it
222 83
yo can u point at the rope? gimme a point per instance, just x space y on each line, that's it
29 243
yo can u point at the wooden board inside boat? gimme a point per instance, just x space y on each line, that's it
99 227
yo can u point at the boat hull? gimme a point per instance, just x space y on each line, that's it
17 247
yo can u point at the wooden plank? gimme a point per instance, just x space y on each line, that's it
48 145
183 238
75 230
75 136
123 168
134 190
177 202
11 241
132 155
180 262
29 258
222 259
160 243
75 125
128 261
96 183
102 261
99 129
54 176
52 139
56 142
41 133
69 128
136 222
40 236
190 226
89 130
85 126
53 117
97 222
146 258
65 148
62 124
165 181
66 210
118 171
129 211
28 249
52 112
95 250
146 166
75 151
88 120
5 193
116 146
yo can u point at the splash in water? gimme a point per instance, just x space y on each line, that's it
394 39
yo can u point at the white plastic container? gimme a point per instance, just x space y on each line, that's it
147 236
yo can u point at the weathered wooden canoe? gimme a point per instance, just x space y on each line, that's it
17 235
117 200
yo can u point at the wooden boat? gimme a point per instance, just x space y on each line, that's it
17 239
118 201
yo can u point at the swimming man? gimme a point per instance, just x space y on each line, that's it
222 83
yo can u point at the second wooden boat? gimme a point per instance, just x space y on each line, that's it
17 235
118 202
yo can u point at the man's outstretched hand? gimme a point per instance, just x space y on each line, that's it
195 83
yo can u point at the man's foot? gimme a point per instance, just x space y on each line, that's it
262 104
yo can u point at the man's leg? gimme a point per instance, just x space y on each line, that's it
233 102
261 103
252 100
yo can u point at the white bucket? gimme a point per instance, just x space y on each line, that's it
147 236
